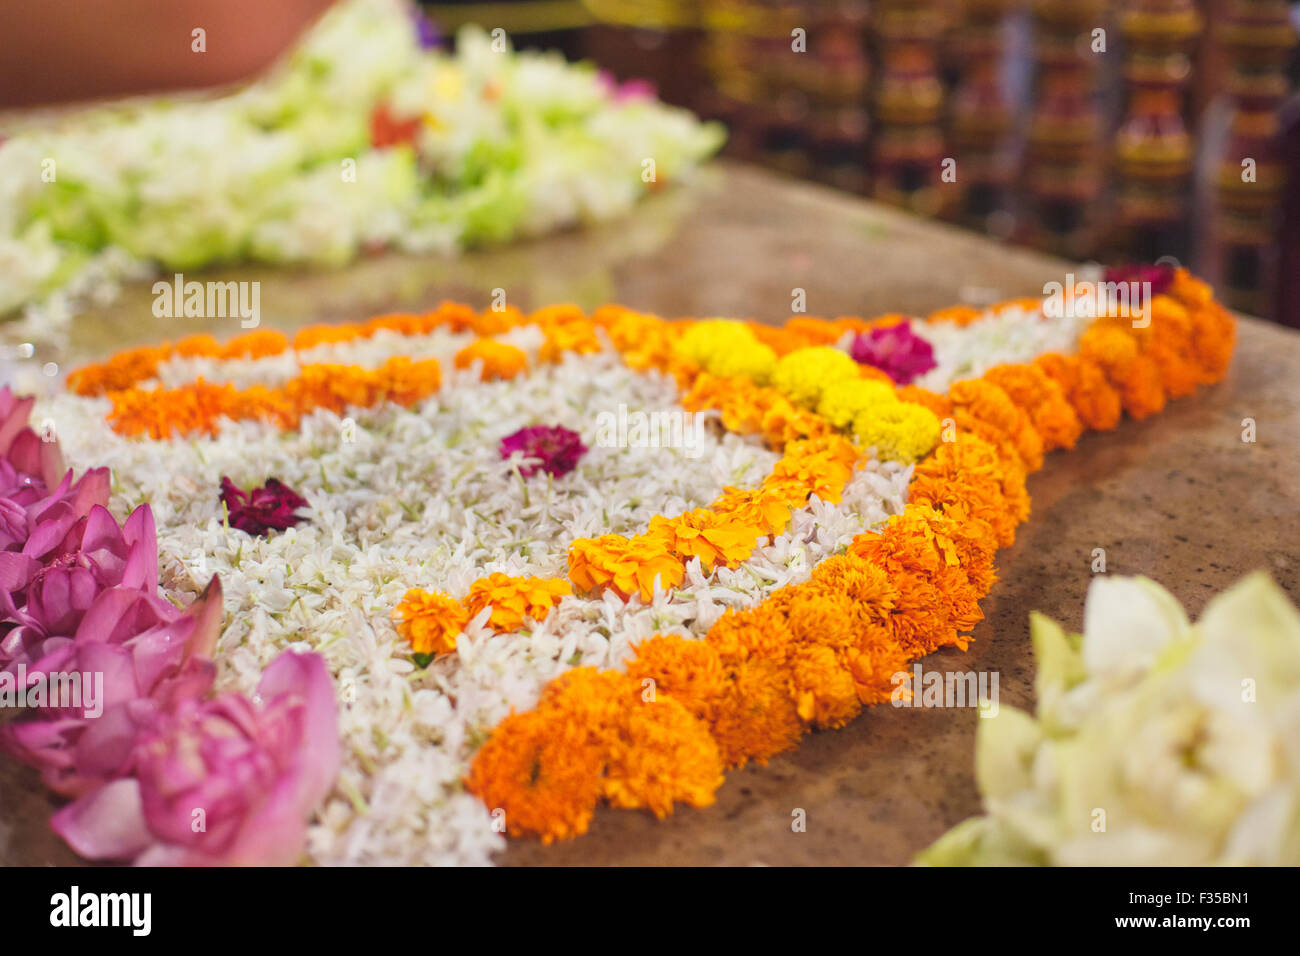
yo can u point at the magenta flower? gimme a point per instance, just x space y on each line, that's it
555 448
223 781
259 510
629 91
896 350
427 33
1160 276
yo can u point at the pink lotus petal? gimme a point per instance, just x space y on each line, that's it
305 677
107 824
14 421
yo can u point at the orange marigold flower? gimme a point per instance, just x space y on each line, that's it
770 513
202 346
515 599
1141 388
690 671
873 670
332 386
756 717
311 336
1178 376
1049 411
409 382
784 422
760 632
825 693
544 773
1110 346
455 316
500 361
984 401
254 345
957 314
492 322
568 335
1086 387
661 755
813 330
819 616
936 403
430 621
936 599
779 339
1193 292
1025 303
713 538
820 466
970 475
402 323
625 565
1214 335
865 584
653 750
120 372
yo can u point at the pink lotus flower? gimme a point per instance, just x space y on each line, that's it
259 510
149 655
556 448
67 569
21 447
222 781
896 350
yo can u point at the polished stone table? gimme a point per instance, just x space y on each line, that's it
1179 498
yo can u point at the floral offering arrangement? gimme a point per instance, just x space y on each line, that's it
368 136
1156 742
477 574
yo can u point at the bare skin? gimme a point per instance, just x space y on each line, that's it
58 51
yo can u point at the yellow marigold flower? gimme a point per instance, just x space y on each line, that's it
514 599
804 374
901 432
499 359
704 534
842 402
431 622
626 565
703 339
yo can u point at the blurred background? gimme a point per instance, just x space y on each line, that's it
1096 130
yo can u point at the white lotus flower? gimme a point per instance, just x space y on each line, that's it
1156 742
